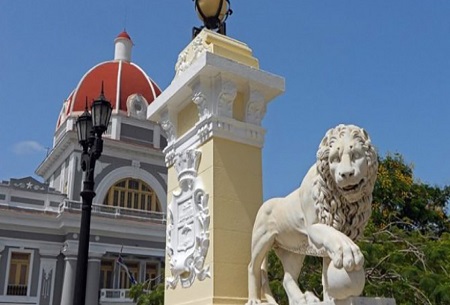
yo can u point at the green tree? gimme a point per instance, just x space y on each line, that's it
141 294
406 243
398 197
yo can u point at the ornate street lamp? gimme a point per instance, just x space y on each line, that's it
213 13
90 129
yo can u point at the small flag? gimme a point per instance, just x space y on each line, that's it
121 263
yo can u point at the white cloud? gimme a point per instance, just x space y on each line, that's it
28 148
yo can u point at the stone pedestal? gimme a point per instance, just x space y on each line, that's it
211 114
360 301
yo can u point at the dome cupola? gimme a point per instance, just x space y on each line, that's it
123 45
129 89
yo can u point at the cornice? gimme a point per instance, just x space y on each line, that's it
54 156
231 100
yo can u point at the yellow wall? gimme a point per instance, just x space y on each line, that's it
237 198
239 107
187 118
232 176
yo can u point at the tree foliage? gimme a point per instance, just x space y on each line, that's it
142 296
406 244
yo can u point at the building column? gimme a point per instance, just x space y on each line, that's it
93 280
212 113
159 272
142 269
69 279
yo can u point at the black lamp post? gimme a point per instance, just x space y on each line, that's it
90 129
213 13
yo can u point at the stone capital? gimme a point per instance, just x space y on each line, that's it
50 252
214 97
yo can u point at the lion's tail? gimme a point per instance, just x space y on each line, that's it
267 293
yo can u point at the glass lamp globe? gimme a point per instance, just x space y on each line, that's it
211 12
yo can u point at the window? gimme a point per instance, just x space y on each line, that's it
133 194
151 273
106 274
19 274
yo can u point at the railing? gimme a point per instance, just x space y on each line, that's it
115 212
17 290
108 296
116 296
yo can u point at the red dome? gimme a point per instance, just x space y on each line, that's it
120 78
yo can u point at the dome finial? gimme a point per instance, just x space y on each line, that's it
123 45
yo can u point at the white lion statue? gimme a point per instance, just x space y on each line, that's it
323 217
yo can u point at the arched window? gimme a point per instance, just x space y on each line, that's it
133 194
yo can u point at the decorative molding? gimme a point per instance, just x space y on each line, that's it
230 129
214 98
226 99
137 106
30 184
182 63
190 54
226 128
70 250
136 164
256 108
201 101
170 155
199 47
188 224
168 126
47 276
186 166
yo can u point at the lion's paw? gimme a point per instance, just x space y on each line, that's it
253 302
311 297
307 298
344 252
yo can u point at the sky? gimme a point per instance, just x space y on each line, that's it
383 65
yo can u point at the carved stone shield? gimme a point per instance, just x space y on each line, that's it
188 226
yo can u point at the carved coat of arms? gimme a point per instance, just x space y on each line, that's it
188 225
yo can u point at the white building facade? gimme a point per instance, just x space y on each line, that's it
40 222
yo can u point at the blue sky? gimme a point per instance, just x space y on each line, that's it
383 65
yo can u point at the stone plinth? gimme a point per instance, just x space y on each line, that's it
360 301
211 114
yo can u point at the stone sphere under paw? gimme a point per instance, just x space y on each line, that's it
342 284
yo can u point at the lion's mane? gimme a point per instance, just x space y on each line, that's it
332 208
